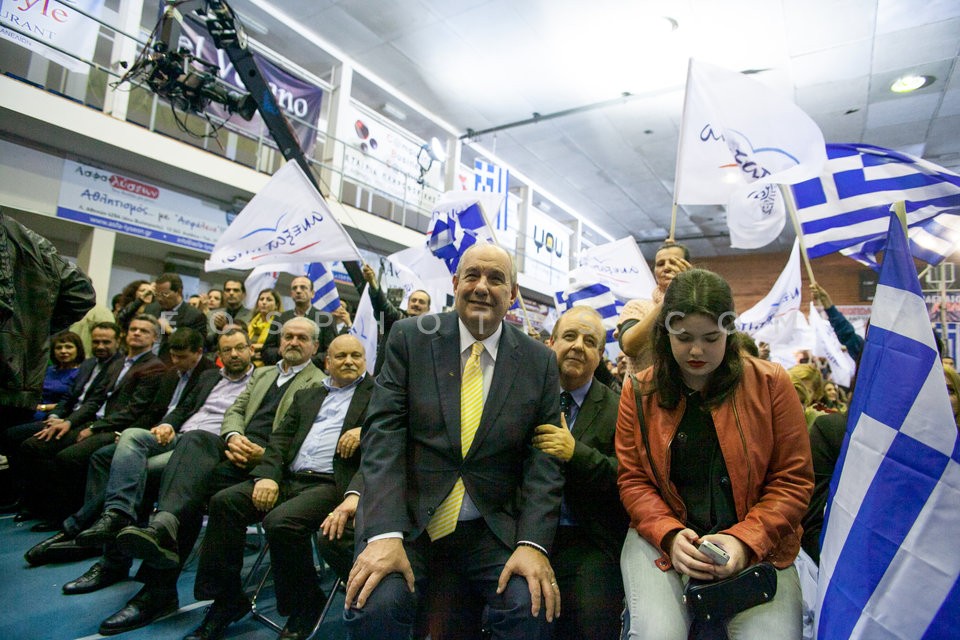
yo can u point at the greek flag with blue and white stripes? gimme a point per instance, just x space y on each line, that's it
889 564
454 227
596 296
325 295
494 179
846 208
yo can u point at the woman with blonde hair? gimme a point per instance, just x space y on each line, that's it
269 307
808 382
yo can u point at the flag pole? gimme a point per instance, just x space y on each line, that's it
676 172
493 230
792 210
673 225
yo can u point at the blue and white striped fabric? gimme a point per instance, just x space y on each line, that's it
846 208
453 229
325 295
889 564
494 179
596 296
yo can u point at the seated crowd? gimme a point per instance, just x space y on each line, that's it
481 482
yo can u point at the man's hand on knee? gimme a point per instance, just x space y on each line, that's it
530 563
379 559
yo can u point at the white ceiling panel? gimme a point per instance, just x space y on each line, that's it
481 64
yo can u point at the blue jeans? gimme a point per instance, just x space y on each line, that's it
117 477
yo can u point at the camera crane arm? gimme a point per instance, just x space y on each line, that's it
227 33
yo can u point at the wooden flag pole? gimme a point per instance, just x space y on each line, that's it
792 210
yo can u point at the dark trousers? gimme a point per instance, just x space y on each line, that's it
305 500
54 472
472 553
198 468
10 440
591 588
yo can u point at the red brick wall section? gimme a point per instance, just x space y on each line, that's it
751 275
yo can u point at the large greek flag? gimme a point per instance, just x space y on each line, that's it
889 564
846 208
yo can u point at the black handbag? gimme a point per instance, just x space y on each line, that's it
715 600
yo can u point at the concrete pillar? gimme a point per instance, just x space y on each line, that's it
338 129
124 49
573 255
96 259
452 164
526 201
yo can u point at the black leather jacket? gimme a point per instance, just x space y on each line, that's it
40 294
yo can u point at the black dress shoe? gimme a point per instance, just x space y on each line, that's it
37 554
105 529
301 623
23 515
144 608
152 544
45 526
97 577
220 615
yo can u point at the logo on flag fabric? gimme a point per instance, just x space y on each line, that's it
893 511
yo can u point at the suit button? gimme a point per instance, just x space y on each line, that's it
431 511
724 481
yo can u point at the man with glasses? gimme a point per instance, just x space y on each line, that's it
174 314
204 463
301 290
116 481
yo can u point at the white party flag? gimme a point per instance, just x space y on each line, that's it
288 220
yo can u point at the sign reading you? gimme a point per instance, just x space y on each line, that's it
110 200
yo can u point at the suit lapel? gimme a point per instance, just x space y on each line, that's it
446 359
308 414
357 404
588 412
504 371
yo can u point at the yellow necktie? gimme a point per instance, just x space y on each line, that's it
444 520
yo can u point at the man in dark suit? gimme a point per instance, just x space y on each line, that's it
301 290
55 468
202 464
451 478
309 463
593 523
174 313
105 342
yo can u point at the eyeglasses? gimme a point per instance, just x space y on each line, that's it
228 350
166 294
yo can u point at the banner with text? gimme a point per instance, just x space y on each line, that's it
299 100
547 250
382 156
103 198
56 23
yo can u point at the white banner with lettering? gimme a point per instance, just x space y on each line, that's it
547 251
110 200
55 23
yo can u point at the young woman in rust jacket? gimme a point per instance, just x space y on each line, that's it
721 454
